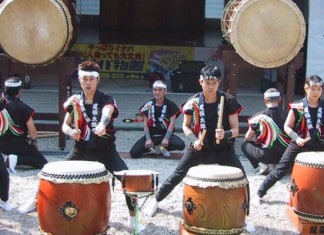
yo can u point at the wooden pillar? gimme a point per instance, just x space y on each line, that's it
63 68
286 79
66 67
231 69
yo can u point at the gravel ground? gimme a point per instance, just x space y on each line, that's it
268 218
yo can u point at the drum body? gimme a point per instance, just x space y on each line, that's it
37 32
307 188
75 202
214 200
139 181
266 34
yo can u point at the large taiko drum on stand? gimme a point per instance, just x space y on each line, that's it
37 32
306 186
215 200
266 34
74 198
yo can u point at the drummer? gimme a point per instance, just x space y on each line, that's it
200 115
4 175
265 141
89 121
304 124
159 114
18 139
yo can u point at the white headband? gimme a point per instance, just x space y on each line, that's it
13 84
159 85
208 78
312 83
272 94
83 73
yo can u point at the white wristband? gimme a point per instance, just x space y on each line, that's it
69 131
293 135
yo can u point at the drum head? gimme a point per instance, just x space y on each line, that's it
311 159
135 172
84 172
35 32
267 34
215 175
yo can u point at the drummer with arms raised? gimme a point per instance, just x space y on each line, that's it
304 124
89 121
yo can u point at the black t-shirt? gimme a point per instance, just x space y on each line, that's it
15 117
158 117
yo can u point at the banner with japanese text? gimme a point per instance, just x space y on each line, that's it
134 59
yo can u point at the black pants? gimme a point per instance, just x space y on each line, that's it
107 156
255 153
175 143
27 154
286 163
192 158
4 180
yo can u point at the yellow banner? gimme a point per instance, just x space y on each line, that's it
134 59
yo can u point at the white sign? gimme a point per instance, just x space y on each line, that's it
315 49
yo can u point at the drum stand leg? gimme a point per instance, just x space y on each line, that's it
136 218
137 207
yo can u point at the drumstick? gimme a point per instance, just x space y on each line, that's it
75 115
202 137
220 116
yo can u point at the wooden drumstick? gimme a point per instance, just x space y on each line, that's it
75 115
202 137
220 116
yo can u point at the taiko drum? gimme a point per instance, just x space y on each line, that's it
306 186
266 34
37 32
74 198
139 181
214 200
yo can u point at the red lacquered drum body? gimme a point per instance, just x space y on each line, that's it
138 180
307 187
37 32
214 200
74 198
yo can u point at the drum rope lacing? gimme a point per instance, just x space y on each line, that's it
310 217
205 231
67 21
309 164
87 178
